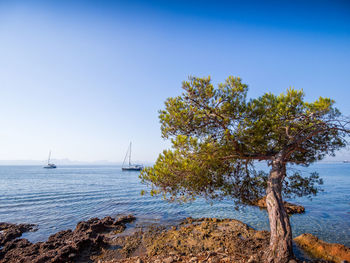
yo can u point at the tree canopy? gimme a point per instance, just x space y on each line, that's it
217 136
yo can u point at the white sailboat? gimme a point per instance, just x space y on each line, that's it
50 165
130 166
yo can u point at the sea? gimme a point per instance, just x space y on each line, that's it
57 199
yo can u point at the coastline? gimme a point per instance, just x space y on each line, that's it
61 198
114 240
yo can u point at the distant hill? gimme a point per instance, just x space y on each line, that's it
64 162
57 161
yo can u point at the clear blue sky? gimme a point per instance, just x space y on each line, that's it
84 78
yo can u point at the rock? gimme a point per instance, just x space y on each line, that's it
320 249
262 234
205 240
10 232
64 246
193 259
251 260
290 208
292 261
214 260
168 260
139 260
124 219
219 250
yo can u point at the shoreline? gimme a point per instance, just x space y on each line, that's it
67 196
114 240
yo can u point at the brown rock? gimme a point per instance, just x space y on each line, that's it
206 239
219 250
64 246
290 208
9 231
214 260
193 259
168 260
262 234
320 249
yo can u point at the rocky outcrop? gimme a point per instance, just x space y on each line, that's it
319 249
10 232
65 246
226 240
194 240
290 208
208 240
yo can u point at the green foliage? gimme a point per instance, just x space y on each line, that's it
185 178
217 134
297 185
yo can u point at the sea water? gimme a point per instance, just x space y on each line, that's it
57 199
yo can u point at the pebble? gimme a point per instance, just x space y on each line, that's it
193 259
219 250
214 260
168 260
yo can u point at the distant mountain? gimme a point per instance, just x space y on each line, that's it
57 162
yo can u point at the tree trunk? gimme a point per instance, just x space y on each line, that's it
280 250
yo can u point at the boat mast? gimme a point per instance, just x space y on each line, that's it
48 160
126 156
130 155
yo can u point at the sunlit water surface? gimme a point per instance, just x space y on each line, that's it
59 198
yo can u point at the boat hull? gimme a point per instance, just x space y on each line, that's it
132 168
50 166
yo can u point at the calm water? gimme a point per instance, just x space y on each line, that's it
57 199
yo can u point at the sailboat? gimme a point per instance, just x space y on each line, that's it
131 167
50 165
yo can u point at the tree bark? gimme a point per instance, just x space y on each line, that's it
280 249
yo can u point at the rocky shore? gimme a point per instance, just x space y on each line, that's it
87 240
194 240
317 248
9 231
205 240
